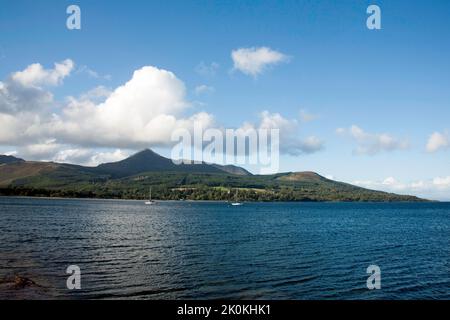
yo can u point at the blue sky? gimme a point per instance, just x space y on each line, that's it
394 81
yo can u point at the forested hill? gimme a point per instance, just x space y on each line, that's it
132 178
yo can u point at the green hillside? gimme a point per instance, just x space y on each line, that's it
132 178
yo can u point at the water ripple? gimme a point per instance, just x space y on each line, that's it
174 250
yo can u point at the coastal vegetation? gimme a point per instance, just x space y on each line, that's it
131 179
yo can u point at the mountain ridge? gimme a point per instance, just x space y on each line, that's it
147 160
4 159
130 178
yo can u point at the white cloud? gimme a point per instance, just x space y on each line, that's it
78 156
442 182
207 70
23 128
24 90
51 151
438 141
309 145
371 144
99 92
389 184
253 61
290 142
437 188
103 157
44 150
15 97
36 75
143 112
89 157
203 89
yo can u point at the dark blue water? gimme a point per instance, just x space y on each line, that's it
187 250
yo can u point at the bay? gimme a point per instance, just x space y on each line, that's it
211 250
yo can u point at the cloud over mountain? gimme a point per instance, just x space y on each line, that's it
141 113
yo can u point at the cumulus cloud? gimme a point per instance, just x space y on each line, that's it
25 127
14 97
141 113
371 144
436 188
35 74
254 61
97 93
438 141
24 98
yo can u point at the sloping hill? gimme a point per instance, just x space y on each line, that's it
132 177
233 170
303 176
21 170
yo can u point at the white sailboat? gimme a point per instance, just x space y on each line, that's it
150 201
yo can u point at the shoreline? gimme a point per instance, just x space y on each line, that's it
210 201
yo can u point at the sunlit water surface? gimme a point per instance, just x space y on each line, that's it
209 250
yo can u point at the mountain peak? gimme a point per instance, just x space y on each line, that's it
149 161
145 160
145 153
